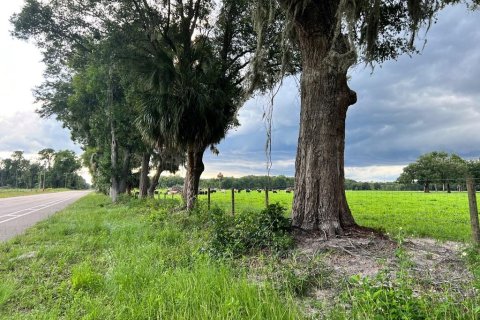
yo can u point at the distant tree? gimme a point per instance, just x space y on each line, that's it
473 167
434 166
19 165
64 170
47 156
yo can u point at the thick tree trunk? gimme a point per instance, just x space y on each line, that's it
114 162
154 180
143 187
426 187
125 172
346 218
319 202
195 168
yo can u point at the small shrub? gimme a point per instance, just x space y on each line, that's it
381 298
247 232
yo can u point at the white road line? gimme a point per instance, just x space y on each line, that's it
28 209
16 217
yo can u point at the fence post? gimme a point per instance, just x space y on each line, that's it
266 196
208 193
472 204
233 201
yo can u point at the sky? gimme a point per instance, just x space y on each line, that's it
405 108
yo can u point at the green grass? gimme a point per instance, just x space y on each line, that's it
139 260
9 193
436 215
133 260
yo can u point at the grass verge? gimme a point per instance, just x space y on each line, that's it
133 260
9 193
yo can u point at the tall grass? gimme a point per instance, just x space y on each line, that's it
133 260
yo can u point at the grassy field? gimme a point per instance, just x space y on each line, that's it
437 215
141 260
8 193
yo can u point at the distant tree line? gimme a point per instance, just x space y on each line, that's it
281 182
54 169
439 170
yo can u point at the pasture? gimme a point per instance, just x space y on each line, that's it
436 215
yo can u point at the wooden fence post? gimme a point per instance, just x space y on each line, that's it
233 201
472 204
208 194
266 196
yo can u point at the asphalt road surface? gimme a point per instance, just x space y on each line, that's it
20 213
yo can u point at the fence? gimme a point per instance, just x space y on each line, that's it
239 200
436 213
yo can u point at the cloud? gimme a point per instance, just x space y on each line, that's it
374 173
415 105
27 132
407 107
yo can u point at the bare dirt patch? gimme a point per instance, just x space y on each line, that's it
433 264
438 263
367 253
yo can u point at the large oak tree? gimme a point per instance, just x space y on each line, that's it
332 36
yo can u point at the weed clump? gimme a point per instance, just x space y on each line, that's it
85 278
245 233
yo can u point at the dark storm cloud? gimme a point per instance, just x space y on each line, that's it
419 104
407 107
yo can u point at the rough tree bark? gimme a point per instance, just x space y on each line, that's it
346 217
155 178
319 202
114 159
143 187
195 168
125 171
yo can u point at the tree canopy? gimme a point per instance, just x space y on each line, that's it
435 167
177 69
55 169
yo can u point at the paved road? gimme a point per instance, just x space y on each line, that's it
20 213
